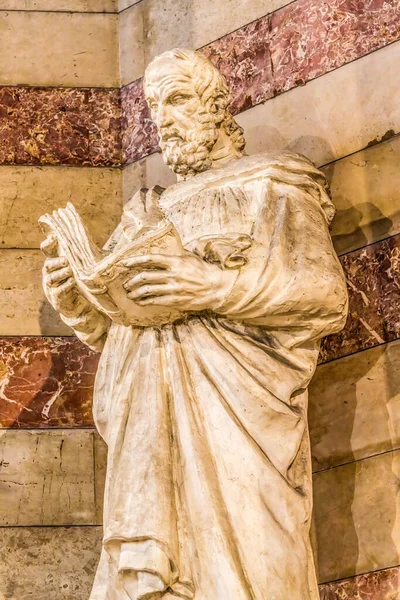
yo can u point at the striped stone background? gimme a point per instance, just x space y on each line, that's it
317 77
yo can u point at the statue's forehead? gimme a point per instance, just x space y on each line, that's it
163 78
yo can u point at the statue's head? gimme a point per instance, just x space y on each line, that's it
188 98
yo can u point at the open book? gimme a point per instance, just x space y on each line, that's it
100 275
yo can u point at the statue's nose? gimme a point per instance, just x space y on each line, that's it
164 116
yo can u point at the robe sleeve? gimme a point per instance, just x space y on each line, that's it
90 326
293 279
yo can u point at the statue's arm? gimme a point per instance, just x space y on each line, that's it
61 290
292 278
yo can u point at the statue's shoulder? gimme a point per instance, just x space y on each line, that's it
241 171
285 167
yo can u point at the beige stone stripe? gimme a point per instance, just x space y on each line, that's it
365 189
63 559
354 505
132 41
334 115
354 407
180 24
28 192
54 563
49 477
72 50
356 516
95 6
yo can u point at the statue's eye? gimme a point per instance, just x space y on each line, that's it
179 99
153 106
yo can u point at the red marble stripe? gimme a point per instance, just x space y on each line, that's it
312 37
139 133
293 45
46 382
380 585
244 58
275 53
373 276
66 126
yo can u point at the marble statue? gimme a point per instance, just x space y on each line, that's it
203 405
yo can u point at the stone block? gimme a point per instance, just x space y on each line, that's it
354 407
61 5
46 382
24 309
366 192
378 585
356 512
55 563
73 49
47 478
148 172
100 467
245 57
194 23
304 36
373 281
132 43
60 126
26 193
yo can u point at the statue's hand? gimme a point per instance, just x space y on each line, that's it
184 282
60 286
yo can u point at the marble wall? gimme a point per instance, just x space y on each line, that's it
321 78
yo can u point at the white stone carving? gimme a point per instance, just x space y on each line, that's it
208 492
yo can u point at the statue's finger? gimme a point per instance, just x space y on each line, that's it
66 286
52 264
153 261
151 290
145 277
167 300
59 276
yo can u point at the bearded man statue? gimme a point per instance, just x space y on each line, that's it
208 492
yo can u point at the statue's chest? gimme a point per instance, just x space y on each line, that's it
212 211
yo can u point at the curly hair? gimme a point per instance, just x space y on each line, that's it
211 87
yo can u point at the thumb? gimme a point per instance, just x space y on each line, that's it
49 246
153 210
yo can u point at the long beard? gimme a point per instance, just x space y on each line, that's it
192 154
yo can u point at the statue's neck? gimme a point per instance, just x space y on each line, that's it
223 150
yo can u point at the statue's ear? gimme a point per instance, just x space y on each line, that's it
218 107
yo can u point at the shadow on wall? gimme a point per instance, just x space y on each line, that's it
349 220
49 320
358 223
353 407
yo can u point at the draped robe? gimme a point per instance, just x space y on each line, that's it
208 492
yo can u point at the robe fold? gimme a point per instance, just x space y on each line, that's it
208 492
